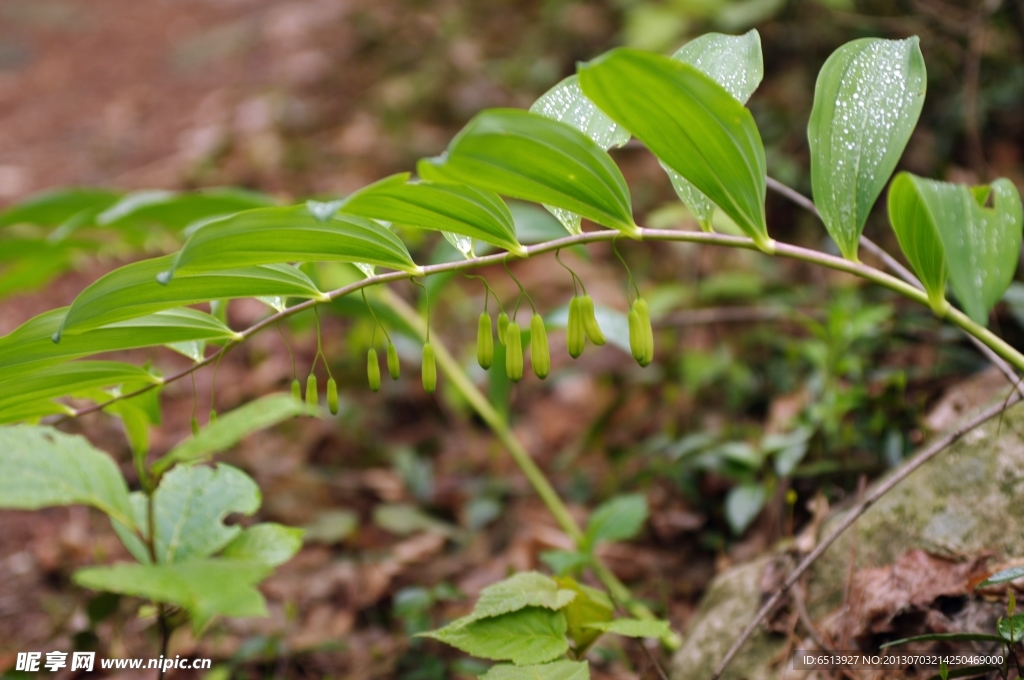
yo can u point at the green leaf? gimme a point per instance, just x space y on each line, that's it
1011 629
1004 576
69 379
556 670
618 519
690 123
30 346
457 208
133 539
54 208
189 508
267 543
563 562
403 519
31 412
867 100
743 505
527 156
914 205
636 628
280 235
566 103
735 62
176 211
529 636
204 588
40 467
942 229
589 606
231 427
525 589
133 291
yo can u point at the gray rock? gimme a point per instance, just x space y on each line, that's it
964 503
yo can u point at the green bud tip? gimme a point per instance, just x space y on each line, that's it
312 398
540 355
373 370
332 395
484 341
429 369
394 367
514 352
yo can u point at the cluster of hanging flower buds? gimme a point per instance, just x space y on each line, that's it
582 326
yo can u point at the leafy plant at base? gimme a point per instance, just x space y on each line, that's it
542 625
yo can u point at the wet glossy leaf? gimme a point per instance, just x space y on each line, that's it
735 62
524 155
690 123
41 467
30 347
231 427
529 636
133 291
943 230
457 208
867 101
282 235
566 103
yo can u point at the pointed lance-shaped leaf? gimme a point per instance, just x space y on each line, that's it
566 103
443 206
294 234
133 291
527 156
68 379
30 346
867 100
735 62
944 231
692 124
54 208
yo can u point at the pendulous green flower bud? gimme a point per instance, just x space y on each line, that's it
332 394
195 426
394 367
373 370
296 389
312 398
640 328
502 327
484 341
429 370
540 355
590 320
514 352
575 337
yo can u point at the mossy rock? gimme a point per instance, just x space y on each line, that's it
966 502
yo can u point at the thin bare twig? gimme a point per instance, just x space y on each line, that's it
854 514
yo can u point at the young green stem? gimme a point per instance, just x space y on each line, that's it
458 378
